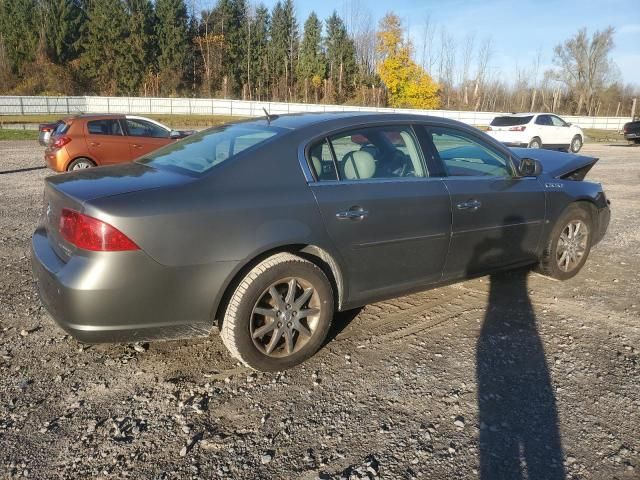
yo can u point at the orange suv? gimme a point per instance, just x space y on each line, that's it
86 141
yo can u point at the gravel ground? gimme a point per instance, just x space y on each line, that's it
513 376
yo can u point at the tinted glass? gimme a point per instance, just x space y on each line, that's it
104 127
378 152
510 121
140 128
61 128
544 120
464 155
321 161
202 151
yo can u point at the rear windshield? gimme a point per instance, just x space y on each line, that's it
61 128
203 151
510 121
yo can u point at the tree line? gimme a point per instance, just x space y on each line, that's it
239 49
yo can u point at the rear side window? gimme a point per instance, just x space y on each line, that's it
510 121
203 151
544 120
321 160
384 152
104 127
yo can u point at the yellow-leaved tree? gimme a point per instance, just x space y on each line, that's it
408 84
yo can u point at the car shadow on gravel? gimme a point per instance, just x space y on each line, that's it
519 431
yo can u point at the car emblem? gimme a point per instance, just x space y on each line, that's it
553 185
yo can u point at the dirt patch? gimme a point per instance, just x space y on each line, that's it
458 382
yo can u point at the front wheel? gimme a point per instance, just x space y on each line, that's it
569 244
576 144
279 315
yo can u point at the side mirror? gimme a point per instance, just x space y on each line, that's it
175 134
529 167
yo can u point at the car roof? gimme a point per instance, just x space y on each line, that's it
294 121
95 116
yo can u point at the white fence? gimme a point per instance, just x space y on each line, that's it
211 106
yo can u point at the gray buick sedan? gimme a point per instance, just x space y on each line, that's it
267 227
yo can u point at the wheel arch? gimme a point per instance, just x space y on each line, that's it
313 253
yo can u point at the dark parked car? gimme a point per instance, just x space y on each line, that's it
268 226
632 131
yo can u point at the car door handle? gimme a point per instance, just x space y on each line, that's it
95 144
354 213
471 205
136 145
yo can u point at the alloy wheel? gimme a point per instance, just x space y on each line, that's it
572 245
285 317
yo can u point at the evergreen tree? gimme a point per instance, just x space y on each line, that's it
341 59
105 45
259 54
232 20
138 55
63 22
311 67
283 49
173 44
19 32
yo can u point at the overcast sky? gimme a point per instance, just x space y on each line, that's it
518 28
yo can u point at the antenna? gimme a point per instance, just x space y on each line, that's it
267 115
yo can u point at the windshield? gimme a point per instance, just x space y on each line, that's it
510 121
203 151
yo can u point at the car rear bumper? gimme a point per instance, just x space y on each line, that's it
56 159
632 136
125 296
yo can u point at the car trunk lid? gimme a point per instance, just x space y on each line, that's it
73 190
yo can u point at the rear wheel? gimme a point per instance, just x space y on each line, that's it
576 144
279 315
569 244
535 143
80 163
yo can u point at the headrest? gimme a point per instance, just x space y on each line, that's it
317 165
358 165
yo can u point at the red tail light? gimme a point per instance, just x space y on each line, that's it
90 233
517 129
60 142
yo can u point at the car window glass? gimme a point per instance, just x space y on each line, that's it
104 127
507 121
202 151
378 152
557 122
543 120
141 128
321 161
464 155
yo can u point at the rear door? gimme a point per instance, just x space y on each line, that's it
388 218
497 216
145 137
105 141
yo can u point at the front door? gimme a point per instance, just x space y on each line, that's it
145 137
106 143
388 219
497 217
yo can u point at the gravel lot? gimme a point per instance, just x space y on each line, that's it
513 376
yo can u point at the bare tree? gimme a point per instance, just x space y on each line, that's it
584 66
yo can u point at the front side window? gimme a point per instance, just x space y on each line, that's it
142 128
464 155
557 121
202 151
377 153
104 127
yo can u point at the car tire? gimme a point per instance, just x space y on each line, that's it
80 164
576 144
264 326
535 143
565 253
